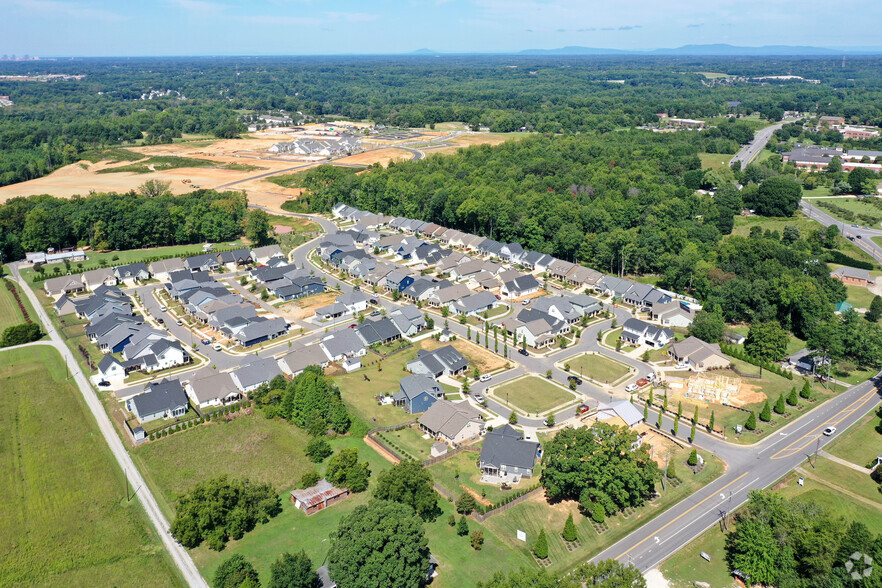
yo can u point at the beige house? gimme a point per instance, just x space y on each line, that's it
700 356
453 423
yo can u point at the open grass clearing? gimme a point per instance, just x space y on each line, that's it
854 205
847 479
65 520
532 394
860 444
714 160
411 440
804 224
460 474
114 155
859 296
10 313
167 162
598 367
361 388
263 450
535 514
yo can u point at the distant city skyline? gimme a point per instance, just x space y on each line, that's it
317 27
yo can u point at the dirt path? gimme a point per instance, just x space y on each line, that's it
379 449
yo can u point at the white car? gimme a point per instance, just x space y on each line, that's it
162 308
479 398
829 431
681 366
217 347
650 377
485 377
631 388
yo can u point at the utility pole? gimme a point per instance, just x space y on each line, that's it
817 448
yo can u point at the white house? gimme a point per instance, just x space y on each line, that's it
642 333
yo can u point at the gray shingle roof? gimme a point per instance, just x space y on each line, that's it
159 397
506 446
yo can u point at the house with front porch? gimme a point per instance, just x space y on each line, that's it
160 400
639 332
207 389
507 454
452 422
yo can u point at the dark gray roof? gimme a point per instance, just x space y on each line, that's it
506 446
413 386
343 342
377 331
522 284
475 301
262 327
159 397
257 372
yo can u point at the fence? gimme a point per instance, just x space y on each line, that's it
527 493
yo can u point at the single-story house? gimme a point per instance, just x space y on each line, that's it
333 310
207 389
700 356
160 400
261 329
452 422
444 361
417 393
507 453
264 254
298 360
319 497
102 276
207 262
233 259
380 331
56 287
673 314
474 304
132 273
162 268
64 306
807 360
642 333
342 344
851 276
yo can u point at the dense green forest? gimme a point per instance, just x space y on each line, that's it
119 221
52 122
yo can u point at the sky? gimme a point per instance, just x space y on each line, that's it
325 27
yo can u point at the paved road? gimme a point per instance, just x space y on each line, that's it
863 235
180 555
752 149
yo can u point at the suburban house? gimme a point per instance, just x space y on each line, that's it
208 389
444 361
162 268
298 360
99 277
319 497
807 360
583 276
473 304
378 332
448 294
235 258
354 301
343 344
620 412
523 286
155 354
585 304
640 332
264 254
505 453
258 372
132 273
56 287
417 393
408 319
698 355
536 261
260 329
452 422
538 332
207 262
673 314
295 287
331 311
64 305
851 276
560 268
111 369
396 281
558 307
160 400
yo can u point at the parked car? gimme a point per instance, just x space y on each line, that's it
830 431
160 320
575 379
217 347
642 382
525 302
180 322
485 377
631 388
583 408
104 383
373 301
479 398
356 288
163 308
681 366
375 313
650 377
645 309
523 352
858 237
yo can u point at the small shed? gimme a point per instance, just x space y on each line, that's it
318 497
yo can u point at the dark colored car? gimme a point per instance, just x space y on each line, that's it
206 342
575 379
160 321
524 352
104 383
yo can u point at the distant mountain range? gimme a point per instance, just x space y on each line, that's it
719 49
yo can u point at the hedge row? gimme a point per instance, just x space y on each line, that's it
772 367
510 497
188 424
837 257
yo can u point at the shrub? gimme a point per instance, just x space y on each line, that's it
309 478
540 548
693 458
569 530
779 405
466 503
598 515
317 449
462 527
451 520
477 539
792 398
806 391
766 413
750 425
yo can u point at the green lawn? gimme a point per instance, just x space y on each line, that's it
845 477
410 439
853 205
859 296
800 221
10 313
817 192
532 394
598 367
861 443
360 394
714 160
63 513
535 514
263 450
466 465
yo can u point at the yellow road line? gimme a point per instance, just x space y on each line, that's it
635 546
810 437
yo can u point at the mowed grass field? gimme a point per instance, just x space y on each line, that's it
532 394
64 519
860 444
597 367
10 313
263 450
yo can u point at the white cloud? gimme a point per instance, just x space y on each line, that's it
57 8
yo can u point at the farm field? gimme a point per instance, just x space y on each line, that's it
532 395
65 520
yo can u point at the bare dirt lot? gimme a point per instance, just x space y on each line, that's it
303 308
381 156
